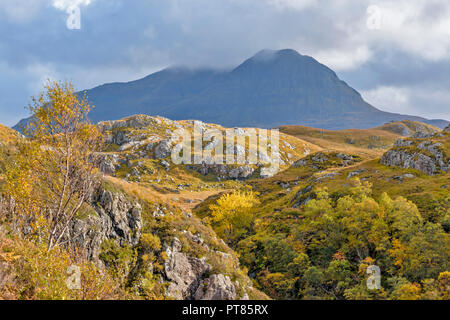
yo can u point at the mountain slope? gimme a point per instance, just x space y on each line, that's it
7 135
270 89
368 143
324 220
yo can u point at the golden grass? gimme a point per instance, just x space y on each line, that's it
7 135
185 200
367 143
396 127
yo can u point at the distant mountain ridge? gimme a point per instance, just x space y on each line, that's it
272 88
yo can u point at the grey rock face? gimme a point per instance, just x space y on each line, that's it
216 287
164 149
300 163
405 132
410 160
241 172
319 157
115 218
425 156
107 163
185 273
223 171
403 143
355 173
136 122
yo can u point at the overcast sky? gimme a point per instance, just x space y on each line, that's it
396 53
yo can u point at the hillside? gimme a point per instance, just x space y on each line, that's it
289 244
7 135
270 89
408 128
339 202
369 143
322 221
140 235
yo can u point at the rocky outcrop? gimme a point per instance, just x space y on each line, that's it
425 155
322 160
184 273
243 172
136 122
188 278
447 129
107 163
223 171
267 172
216 287
113 217
164 149
184 276
408 128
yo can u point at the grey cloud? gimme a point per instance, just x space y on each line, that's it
121 40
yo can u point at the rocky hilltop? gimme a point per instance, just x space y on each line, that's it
409 128
139 145
425 152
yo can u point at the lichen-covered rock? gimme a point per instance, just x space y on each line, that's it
323 160
223 171
164 149
243 172
107 163
427 156
216 287
113 217
136 122
184 273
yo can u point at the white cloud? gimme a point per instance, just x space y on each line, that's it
408 26
420 100
39 74
66 4
21 10
346 59
393 99
292 4
418 28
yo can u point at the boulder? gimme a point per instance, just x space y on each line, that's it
164 149
114 217
241 172
184 273
107 163
216 287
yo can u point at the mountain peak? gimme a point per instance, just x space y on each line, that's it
273 60
268 54
270 89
